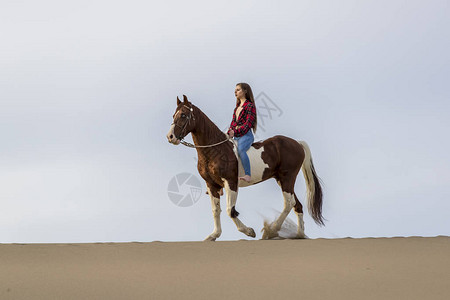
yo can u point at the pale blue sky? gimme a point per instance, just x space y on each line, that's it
88 89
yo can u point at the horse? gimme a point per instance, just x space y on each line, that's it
278 157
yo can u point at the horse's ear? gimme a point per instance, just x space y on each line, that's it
185 99
178 101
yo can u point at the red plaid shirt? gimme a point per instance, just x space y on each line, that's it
246 119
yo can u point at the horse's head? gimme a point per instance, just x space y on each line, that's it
183 121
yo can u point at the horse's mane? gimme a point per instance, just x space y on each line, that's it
210 131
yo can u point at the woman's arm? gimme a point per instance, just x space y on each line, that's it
230 127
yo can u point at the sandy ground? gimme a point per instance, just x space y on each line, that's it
372 268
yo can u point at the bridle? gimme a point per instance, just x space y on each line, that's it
183 129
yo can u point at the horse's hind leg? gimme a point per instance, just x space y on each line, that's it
287 187
298 209
231 192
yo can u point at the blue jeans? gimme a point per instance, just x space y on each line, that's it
244 143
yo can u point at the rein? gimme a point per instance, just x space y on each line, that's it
187 144
193 146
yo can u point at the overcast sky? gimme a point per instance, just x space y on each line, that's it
88 90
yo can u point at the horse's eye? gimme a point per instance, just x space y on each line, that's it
183 115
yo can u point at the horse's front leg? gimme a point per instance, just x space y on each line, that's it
213 192
231 210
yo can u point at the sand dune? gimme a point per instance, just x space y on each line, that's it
372 268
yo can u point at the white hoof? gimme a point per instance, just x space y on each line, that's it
250 232
212 237
300 236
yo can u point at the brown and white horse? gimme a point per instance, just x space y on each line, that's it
278 157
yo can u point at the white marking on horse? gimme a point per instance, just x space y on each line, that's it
231 196
257 165
171 129
231 202
171 135
300 223
301 226
215 204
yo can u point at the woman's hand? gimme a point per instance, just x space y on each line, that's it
231 133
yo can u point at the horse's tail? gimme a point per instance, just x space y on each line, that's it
313 188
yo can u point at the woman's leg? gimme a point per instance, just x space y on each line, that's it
244 144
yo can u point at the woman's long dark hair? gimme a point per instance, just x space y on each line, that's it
249 96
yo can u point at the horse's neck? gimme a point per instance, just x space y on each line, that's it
206 133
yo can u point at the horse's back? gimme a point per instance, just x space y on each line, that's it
278 143
266 156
